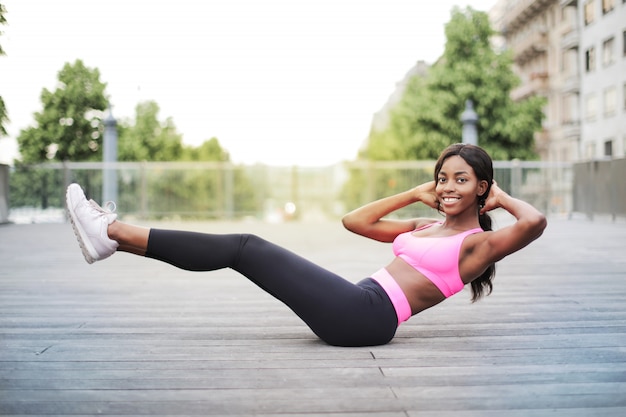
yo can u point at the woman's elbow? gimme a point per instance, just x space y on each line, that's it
539 223
353 223
356 224
348 222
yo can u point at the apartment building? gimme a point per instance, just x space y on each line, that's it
602 61
573 53
531 30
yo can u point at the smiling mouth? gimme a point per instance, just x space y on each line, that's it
450 199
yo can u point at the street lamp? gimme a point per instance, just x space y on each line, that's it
109 153
470 120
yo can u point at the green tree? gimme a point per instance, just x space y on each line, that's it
209 184
198 188
68 128
428 116
70 125
209 150
4 115
149 139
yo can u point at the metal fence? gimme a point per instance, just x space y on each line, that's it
4 193
212 190
600 187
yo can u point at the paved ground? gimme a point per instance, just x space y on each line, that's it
131 336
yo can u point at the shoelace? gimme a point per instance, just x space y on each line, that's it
109 207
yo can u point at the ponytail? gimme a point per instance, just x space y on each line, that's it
483 282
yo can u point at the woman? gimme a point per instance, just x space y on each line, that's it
434 259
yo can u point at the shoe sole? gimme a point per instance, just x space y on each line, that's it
83 241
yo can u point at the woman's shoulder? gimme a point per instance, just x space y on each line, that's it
424 222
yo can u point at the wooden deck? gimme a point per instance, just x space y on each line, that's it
131 336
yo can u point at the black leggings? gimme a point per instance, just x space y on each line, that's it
339 312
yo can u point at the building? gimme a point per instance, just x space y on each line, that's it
573 53
380 120
602 63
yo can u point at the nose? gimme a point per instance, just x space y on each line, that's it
448 186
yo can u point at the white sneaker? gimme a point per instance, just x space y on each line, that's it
90 223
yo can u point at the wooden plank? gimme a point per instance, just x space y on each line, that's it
132 336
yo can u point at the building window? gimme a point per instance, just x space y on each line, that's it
608 57
607 6
610 101
589 16
590 150
570 109
590 59
569 63
591 106
565 116
608 148
624 41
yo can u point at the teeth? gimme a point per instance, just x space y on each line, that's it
449 199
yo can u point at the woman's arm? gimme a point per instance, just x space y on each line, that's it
529 226
368 220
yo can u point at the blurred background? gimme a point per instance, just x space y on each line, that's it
304 110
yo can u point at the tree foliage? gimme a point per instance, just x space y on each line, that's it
427 118
70 125
149 139
4 115
209 150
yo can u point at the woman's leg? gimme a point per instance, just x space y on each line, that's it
131 239
338 311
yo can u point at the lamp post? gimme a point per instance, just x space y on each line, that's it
109 152
469 118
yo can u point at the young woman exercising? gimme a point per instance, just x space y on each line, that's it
433 259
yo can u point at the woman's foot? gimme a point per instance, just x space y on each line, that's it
90 223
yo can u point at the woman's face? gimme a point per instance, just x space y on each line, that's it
458 187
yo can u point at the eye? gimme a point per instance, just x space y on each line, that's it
441 180
461 180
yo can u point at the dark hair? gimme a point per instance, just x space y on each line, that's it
481 163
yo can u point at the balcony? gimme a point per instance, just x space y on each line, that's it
570 39
532 45
523 11
571 85
537 85
571 129
542 141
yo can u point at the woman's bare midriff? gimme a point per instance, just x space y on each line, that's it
419 290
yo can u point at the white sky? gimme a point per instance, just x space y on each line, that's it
277 81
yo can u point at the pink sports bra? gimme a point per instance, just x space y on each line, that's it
437 258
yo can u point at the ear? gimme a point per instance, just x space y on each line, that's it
483 186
